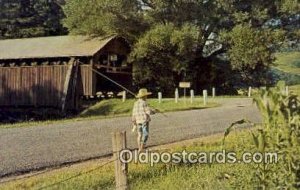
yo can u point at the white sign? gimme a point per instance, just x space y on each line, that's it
185 85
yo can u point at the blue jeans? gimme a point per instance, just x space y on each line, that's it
143 130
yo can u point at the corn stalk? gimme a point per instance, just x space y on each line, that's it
279 132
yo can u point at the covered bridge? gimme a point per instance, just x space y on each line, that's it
55 71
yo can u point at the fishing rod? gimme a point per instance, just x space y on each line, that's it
123 87
111 80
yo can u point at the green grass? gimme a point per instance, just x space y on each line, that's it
161 176
288 62
115 107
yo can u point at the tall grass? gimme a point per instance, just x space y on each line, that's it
279 132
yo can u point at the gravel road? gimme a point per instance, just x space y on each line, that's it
39 147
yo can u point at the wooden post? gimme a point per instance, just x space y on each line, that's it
184 95
176 95
159 97
287 90
249 91
124 96
67 85
192 96
213 92
121 169
74 86
205 97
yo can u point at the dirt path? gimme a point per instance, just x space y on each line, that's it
33 148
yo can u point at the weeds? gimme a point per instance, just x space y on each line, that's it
279 132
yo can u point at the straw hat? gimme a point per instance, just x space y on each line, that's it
143 92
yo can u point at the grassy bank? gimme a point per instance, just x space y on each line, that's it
116 108
161 176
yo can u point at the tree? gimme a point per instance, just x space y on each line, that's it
105 17
177 40
28 18
163 55
251 50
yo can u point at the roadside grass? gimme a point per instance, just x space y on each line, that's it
116 108
160 176
288 62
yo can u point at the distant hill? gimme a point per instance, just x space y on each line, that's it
288 62
287 68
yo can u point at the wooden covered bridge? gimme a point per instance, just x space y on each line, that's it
56 71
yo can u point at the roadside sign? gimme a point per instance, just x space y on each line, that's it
185 85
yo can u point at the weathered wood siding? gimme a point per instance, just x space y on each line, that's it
43 85
32 86
40 86
88 79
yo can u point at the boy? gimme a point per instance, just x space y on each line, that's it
141 118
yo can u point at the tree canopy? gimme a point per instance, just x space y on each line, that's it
30 18
175 40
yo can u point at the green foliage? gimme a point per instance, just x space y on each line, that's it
171 38
27 18
290 6
165 51
232 126
250 51
279 132
105 17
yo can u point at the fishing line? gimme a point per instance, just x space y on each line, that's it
116 83
121 86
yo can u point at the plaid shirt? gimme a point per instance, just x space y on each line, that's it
141 112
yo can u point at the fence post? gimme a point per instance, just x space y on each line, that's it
192 96
123 96
287 90
160 97
121 169
213 92
205 97
249 91
176 95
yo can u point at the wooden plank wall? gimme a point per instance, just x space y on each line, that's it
41 86
88 79
32 86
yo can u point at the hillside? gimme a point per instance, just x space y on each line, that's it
288 62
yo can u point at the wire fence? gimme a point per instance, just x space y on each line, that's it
69 178
83 173
75 176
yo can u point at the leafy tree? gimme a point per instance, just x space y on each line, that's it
163 55
28 18
251 50
105 17
177 40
